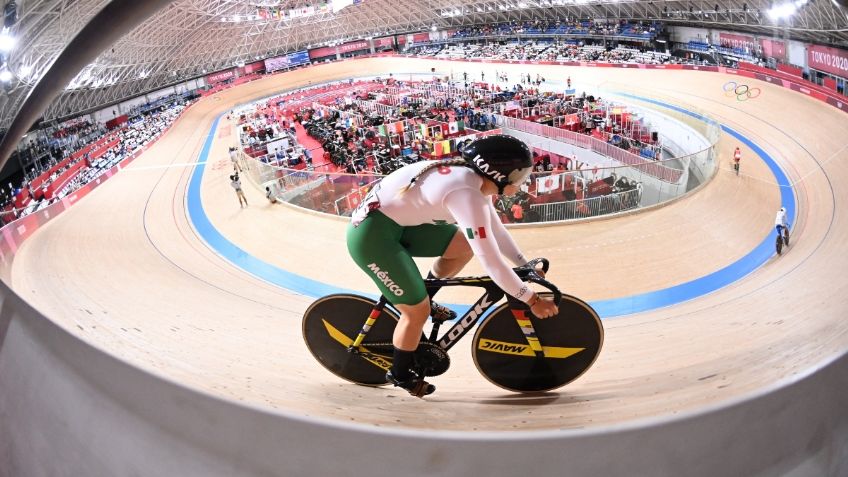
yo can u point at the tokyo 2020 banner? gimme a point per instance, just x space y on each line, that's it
829 60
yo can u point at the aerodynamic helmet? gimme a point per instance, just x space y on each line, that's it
502 159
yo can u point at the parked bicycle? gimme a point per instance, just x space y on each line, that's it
351 336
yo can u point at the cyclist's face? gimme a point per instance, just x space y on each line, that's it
510 190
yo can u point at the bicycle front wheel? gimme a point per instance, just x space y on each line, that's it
571 342
331 324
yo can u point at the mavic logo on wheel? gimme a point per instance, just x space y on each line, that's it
386 279
519 349
505 347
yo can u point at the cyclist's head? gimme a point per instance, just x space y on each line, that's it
502 159
783 209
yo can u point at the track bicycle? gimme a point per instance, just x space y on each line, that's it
351 336
782 240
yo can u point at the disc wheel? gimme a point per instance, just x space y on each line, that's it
571 340
331 324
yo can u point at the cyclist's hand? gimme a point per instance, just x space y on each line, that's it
544 308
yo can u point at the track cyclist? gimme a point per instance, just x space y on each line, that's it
780 222
440 209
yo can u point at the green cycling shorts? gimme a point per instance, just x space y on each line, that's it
384 250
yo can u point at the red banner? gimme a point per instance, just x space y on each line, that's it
353 46
829 83
736 41
322 52
773 49
220 76
420 37
254 67
387 41
829 60
792 70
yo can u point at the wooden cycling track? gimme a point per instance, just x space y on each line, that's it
125 270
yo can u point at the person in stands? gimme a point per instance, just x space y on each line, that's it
440 209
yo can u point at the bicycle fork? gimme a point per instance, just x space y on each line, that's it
528 330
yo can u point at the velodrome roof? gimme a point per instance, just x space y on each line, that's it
189 37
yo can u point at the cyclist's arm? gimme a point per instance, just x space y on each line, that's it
470 209
506 244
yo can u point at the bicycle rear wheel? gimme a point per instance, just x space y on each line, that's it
331 324
778 244
572 341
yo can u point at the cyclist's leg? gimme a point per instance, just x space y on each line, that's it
444 241
375 245
454 258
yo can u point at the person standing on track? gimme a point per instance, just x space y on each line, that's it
234 159
440 209
235 183
737 156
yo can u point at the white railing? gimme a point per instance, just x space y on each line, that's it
653 168
591 207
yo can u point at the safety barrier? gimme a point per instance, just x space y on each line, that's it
585 208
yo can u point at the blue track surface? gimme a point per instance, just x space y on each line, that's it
605 308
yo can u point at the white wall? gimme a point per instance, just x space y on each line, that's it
684 34
796 53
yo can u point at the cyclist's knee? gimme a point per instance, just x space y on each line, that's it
458 249
418 312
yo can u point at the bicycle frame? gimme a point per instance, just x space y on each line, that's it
492 294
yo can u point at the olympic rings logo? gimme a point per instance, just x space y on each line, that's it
743 92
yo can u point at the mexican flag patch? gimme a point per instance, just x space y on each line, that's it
479 232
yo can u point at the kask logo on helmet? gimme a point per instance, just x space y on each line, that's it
484 168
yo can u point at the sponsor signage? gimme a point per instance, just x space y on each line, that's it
829 60
341 49
353 46
220 76
286 61
737 41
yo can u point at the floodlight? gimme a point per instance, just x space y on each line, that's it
7 41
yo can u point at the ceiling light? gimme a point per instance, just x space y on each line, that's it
5 75
784 10
25 71
7 41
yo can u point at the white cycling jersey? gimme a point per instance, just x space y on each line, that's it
450 195
780 219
